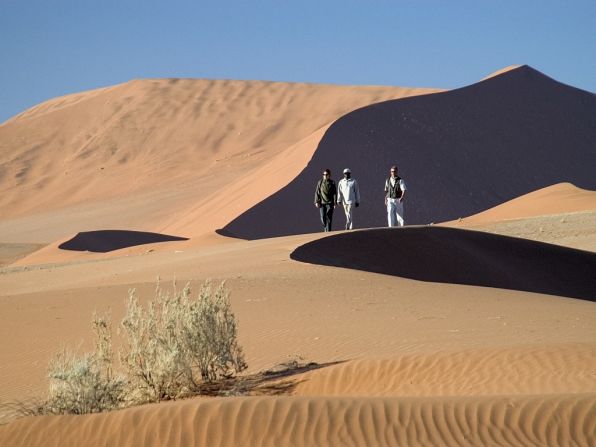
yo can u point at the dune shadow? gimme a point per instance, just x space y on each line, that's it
460 152
448 255
103 241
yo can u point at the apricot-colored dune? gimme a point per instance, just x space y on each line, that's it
182 156
560 213
403 360
562 198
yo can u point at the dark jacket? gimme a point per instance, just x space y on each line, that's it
326 192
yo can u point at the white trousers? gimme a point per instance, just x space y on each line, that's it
349 210
395 213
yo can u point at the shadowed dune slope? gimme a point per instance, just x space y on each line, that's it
315 421
103 241
460 152
449 255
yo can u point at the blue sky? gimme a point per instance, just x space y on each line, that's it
54 47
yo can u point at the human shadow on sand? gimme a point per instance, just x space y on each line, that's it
448 255
103 241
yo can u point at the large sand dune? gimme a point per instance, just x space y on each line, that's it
460 152
508 360
181 156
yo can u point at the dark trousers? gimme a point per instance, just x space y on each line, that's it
326 211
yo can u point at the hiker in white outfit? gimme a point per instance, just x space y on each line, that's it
395 191
348 195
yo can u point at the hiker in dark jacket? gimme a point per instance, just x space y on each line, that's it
325 198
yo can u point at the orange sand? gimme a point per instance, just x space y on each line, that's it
419 363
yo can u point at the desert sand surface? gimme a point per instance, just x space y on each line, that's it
401 359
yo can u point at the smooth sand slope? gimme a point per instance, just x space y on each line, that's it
178 156
460 152
403 361
561 213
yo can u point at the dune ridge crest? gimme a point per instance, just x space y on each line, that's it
502 70
561 198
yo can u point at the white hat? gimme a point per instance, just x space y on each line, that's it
347 170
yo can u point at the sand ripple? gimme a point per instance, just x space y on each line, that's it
316 421
521 396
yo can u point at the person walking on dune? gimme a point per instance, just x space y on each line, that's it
325 197
348 195
395 191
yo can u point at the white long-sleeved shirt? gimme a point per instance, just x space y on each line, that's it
347 191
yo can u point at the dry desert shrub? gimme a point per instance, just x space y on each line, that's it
85 384
176 343
172 347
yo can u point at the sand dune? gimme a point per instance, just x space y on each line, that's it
537 396
285 308
440 254
499 354
161 152
562 198
460 152
559 214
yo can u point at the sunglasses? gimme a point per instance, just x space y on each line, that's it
325 174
